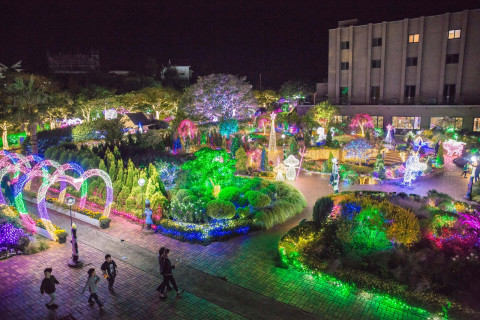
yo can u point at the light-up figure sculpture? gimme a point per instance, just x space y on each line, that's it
453 147
321 134
413 168
292 163
280 169
390 134
272 144
335 177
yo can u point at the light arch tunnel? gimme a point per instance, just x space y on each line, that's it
23 174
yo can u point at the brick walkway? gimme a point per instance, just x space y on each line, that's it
233 275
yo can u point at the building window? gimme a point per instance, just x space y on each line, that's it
454 34
343 65
412 61
377 121
413 38
341 119
374 92
376 63
452 58
476 124
344 45
445 122
344 92
406 122
376 42
409 91
449 93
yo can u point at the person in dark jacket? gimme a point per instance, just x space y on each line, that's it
166 268
109 268
9 192
160 261
48 286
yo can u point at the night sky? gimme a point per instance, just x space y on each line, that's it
282 40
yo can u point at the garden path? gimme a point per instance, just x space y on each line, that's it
239 276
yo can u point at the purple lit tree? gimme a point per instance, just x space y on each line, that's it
219 97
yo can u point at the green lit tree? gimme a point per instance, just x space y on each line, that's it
379 167
241 157
322 114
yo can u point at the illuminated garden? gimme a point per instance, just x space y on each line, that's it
219 164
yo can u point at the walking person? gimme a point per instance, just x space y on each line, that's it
48 286
160 265
92 283
335 176
9 192
465 170
477 172
167 268
110 271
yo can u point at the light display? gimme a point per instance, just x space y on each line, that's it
292 163
321 134
110 114
413 168
272 143
228 127
187 129
359 150
71 122
453 148
262 124
302 153
280 169
390 134
362 121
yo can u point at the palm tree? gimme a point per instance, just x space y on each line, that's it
28 105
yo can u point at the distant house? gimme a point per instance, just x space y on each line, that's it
136 120
183 71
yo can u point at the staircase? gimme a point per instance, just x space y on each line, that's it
391 157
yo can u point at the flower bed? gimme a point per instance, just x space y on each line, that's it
373 243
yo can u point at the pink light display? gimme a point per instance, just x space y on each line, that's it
187 128
453 147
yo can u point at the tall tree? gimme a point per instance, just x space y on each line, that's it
266 97
219 97
296 89
323 113
362 121
29 103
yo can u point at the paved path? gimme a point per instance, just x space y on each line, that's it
239 277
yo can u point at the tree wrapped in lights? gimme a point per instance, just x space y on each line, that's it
187 129
219 96
272 143
413 168
358 150
228 127
211 168
362 121
322 113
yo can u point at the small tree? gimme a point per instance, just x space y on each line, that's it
440 158
329 139
323 113
330 162
379 167
321 210
241 157
361 121
264 160
358 149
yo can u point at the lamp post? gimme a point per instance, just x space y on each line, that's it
74 261
283 137
141 183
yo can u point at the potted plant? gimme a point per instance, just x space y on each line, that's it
104 222
61 235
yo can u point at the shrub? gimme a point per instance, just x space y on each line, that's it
219 209
182 193
242 201
84 131
321 210
257 199
268 192
243 212
229 194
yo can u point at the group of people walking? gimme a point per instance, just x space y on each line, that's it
109 269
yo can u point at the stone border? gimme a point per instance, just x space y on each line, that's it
44 233
75 214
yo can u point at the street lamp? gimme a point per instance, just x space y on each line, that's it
283 137
141 183
74 261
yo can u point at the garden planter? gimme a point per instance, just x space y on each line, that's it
105 225
62 240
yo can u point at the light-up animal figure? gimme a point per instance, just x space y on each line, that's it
280 169
321 134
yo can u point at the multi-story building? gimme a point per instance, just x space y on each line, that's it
74 63
411 72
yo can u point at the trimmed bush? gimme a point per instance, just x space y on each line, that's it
243 212
321 210
229 194
268 192
242 201
219 209
182 193
257 199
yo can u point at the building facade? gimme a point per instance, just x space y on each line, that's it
74 63
431 64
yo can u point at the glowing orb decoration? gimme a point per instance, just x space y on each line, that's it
413 168
187 129
110 114
292 163
453 147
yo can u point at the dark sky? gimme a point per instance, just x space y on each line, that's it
282 40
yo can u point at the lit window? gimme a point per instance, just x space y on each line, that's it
406 122
377 121
413 38
445 122
454 34
476 124
343 65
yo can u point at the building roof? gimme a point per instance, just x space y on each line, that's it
138 117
